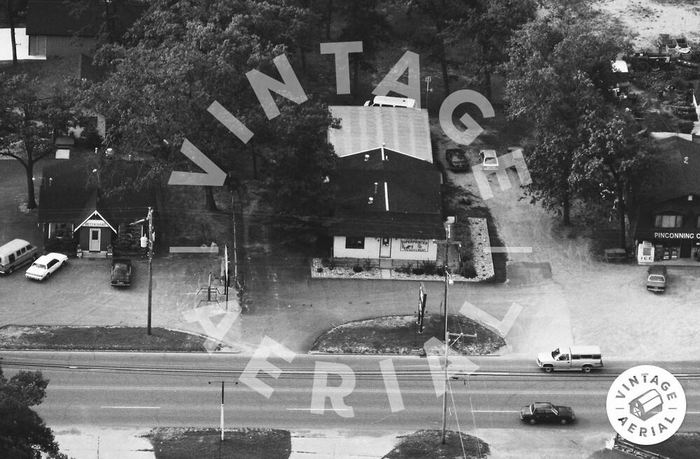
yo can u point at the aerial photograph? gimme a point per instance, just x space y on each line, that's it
353 229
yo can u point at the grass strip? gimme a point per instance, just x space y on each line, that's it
98 339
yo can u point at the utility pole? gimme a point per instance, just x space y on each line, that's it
151 235
221 420
447 339
448 227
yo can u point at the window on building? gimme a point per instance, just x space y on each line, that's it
61 230
697 223
354 242
668 221
37 45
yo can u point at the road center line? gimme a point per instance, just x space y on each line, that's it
130 407
318 409
495 411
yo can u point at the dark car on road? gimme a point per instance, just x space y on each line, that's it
545 412
457 159
121 272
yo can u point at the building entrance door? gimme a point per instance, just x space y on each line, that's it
94 240
385 248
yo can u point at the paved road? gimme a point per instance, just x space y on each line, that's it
150 390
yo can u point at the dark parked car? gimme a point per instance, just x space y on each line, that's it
457 159
546 412
121 272
656 279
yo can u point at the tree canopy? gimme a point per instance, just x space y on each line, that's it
182 56
29 121
558 75
23 433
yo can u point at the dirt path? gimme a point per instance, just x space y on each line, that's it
649 18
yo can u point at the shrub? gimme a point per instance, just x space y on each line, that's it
357 268
418 271
325 262
331 264
467 270
319 270
440 271
429 267
367 264
403 269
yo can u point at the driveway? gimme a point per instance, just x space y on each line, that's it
606 304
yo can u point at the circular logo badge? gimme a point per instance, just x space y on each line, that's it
646 405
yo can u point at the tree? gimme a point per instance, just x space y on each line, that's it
558 73
614 158
489 25
23 433
15 11
28 123
363 21
182 56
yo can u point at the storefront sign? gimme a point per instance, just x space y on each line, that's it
414 245
96 224
660 235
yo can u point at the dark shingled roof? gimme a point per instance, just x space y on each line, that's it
54 18
67 197
411 187
674 176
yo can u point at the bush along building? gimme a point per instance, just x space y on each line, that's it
389 211
80 217
666 224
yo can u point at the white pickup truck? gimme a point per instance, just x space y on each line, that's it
571 358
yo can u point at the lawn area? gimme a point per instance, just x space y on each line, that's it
398 335
98 339
427 444
177 443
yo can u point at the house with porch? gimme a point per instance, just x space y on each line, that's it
78 217
389 207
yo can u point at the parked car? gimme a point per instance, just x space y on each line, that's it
576 358
457 159
489 159
121 272
541 412
46 265
656 279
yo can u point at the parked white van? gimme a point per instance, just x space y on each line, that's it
578 358
15 254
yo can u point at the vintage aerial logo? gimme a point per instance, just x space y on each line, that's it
646 405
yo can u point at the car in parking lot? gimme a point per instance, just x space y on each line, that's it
457 159
546 412
656 278
489 159
120 274
45 266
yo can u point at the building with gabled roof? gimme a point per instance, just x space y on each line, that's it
77 215
389 205
403 130
55 28
666 219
